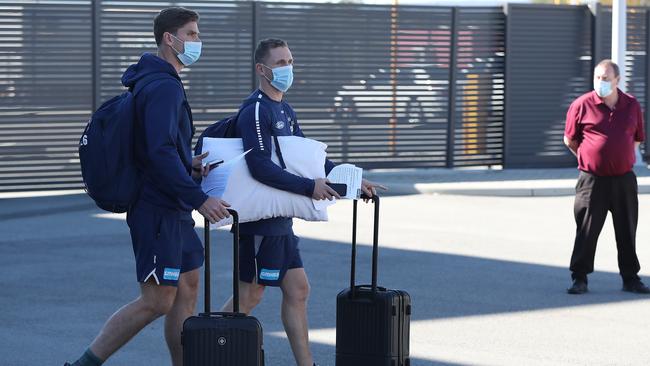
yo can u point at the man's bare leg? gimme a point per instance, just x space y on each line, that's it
124 324
295 291
250 295
183 308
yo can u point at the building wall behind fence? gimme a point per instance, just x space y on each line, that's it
383 86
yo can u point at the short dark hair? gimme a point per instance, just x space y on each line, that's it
171 20
265 46
609 63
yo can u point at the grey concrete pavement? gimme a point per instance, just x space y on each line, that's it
471 181
487 276
489 182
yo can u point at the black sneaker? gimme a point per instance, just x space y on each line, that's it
579 287
636 287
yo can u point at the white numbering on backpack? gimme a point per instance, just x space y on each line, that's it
84 140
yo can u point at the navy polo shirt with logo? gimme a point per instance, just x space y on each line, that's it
256 124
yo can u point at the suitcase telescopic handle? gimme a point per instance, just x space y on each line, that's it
235 250
224 314
375 244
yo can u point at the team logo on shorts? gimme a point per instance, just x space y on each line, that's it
279 125
171 274
270 274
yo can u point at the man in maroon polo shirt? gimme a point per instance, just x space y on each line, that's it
603 129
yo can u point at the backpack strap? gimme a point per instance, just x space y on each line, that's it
279 152
231 128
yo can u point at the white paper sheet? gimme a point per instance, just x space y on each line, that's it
217 180
347 174
350 175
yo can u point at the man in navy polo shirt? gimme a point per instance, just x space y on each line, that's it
270 254
603 129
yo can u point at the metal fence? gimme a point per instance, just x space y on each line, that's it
383 86
551 53
45 92
548 64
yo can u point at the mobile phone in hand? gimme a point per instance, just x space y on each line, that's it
340 188
213 164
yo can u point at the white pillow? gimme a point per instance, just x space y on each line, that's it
254 200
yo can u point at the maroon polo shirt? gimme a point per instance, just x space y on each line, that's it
606 136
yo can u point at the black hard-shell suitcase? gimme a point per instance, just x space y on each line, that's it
217 338
372 322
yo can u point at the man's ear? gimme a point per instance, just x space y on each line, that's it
260 69
168 39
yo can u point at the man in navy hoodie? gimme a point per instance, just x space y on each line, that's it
269 254
167 250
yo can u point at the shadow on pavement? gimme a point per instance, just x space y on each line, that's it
57 293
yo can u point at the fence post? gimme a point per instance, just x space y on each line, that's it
451 117
392 140
505 84
96 59
255 10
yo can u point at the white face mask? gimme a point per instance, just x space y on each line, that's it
282 77
603 88
191 54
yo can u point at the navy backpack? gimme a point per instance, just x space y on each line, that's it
111 177
226 128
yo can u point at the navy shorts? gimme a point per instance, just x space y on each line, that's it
266 259
164 243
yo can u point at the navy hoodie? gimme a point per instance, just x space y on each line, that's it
163 137
272 118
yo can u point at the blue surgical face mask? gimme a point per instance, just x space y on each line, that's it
603 88
282 77
191 54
